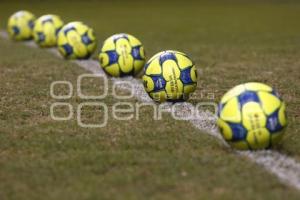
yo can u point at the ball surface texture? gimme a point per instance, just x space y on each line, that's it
122 55
170 76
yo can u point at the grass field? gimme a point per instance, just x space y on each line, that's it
231 43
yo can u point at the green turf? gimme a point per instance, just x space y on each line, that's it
230 42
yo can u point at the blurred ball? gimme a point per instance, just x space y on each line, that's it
46 29
252 116
20 25
76 41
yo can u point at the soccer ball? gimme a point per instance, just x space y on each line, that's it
122 55
46 29
20 25
252 116
170 76
76 41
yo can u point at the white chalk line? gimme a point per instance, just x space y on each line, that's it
286 169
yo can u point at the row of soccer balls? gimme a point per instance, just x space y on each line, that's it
250 116
121 54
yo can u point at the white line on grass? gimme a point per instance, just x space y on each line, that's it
285 168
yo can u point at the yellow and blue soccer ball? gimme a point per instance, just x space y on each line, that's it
46 29
170 76
252 116
122 55
76 41
20 25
